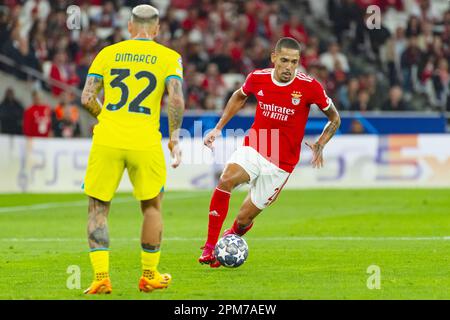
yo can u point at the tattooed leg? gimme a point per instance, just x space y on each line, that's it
152 225
98 236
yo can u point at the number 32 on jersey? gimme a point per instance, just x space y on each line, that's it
134 105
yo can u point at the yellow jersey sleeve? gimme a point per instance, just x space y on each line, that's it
98 66
174 67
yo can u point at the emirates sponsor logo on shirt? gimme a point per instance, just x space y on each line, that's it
273 111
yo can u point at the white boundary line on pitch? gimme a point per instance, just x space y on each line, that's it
79 203
324 238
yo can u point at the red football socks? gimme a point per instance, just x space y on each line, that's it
239 230
218 210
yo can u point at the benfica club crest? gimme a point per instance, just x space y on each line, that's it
296 95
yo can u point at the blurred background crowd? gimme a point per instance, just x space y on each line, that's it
401 65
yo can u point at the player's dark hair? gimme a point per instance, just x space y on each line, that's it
288 43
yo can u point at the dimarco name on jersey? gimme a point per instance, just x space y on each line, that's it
129 57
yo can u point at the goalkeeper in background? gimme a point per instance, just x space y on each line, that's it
134 75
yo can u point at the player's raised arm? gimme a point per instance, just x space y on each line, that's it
334 121
175 114
89 97
236 102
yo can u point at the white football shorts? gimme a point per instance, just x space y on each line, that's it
266 179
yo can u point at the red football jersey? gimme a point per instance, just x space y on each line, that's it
281 114
37 121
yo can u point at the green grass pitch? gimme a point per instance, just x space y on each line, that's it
311 244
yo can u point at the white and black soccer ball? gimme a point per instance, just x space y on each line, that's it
231 251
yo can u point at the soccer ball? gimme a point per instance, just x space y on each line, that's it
231 251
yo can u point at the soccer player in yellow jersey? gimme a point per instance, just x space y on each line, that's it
134 74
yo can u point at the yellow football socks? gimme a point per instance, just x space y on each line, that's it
100 263
150 261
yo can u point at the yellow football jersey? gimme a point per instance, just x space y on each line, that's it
134 75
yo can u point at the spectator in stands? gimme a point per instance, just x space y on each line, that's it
236 48
348 94
67 105
356 127
369 41
172 22
426 38
313 70
107 18
72 80
34 32
11 114
413 28
395 101
59 72
328 83
197 56
343 13
4 26
339 76
441 82
425 10
295 29
311 53
195 92
260 53
362 103
409 61
445 25
213 82
192 18
67 124
210 103
395 46
222 58
82 70
263 25
375 89
17 48
34 10
39 46
116 36
37 120
236 86
333 57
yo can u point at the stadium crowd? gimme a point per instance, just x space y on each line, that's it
402 64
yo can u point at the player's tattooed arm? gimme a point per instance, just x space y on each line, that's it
236 103
98 236
175 114
89 97
175 107
334 122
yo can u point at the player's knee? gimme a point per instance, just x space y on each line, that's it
226 182
151 206
98 207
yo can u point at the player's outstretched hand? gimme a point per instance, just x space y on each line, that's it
317 160
175 153
211 137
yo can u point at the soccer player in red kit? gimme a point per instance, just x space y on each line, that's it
271 150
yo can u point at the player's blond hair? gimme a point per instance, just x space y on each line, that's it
144 14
